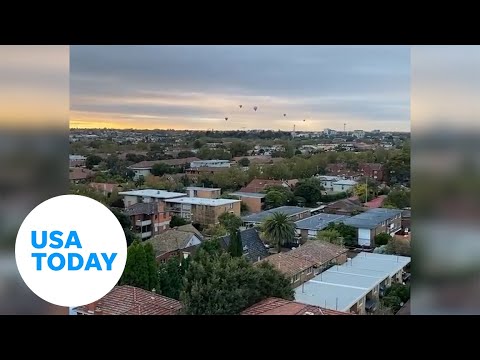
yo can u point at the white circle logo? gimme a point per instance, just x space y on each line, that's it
71 250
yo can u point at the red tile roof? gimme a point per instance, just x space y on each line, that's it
287 264
276 306
77 173
130 300
258 185
376 203
105 186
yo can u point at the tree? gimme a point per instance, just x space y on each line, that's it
216 231
185 154
92 160
161 169
229 221
360 190
141 267
310 190
398 198
347 232
126 224
278 229
330 235
197 144
218 284
235 248
274 199
177 221
382 239
140 181
239 148
244 162
170 276
278 171
400 290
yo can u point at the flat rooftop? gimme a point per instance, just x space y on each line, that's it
249 194
288 210
159 194
370 219
340 287
318 222
202 201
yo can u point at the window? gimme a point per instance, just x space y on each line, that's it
296 277
309 270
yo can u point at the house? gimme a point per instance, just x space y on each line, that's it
203 192
255 159
259 185
372 170
253 247
144 168
293 212
341 170
172 242
130 300
277 306
343 185
308 228
327 181
209 164
373 222
255 202
77 160
354 286
350 206
202 211
105 188
303 263
79 175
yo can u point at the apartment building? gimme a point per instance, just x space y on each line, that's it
203 192
209 163
147 210
255 202
200 210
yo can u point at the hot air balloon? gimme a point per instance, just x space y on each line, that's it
284 114
240 106
303 120
255 108
226 118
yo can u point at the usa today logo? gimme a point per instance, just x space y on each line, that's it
71 250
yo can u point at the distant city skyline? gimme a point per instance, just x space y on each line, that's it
197 87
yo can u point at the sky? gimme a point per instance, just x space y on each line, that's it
196 87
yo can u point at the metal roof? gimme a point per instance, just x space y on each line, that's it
288 210
372 218
249 194
318 222
340 287
202 201
160 194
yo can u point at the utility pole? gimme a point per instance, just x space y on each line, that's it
366 189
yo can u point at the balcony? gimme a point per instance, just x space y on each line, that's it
146 234
143 223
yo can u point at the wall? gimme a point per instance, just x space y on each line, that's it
254 204
300 216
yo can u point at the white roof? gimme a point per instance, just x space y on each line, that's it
202 201
345 182
159 194
340 287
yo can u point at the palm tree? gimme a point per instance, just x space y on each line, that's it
278 229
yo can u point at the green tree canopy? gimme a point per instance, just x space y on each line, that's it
176 221
170 276
239 148
398 198
330 235
244 161
274 199
161 169
92 160
278 229
235 248
382 239
229 221
347 232
309 189
219 284
141 267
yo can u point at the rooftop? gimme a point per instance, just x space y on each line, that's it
276 306
249 194
370 219
202 188
146 165
170 240
130 300
318 222
159 194
202 201
320 252
254 248
340 287
288 210
141 208
345 182
287 264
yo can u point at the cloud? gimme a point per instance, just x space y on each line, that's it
185 85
